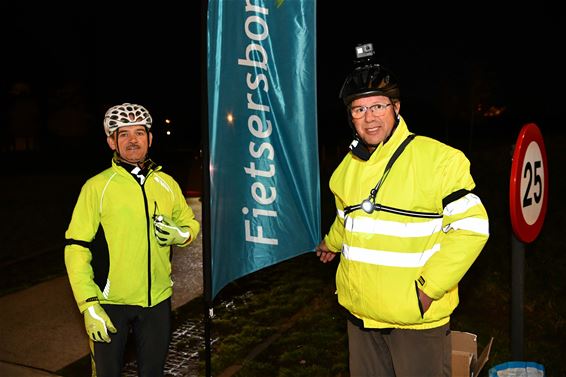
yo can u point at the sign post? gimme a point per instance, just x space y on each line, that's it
528 199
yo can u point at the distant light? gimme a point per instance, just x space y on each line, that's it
168 121
168 132
494 111
230 118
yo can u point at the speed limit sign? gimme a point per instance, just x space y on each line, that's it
528 187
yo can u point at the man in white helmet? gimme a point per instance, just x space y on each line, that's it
118 248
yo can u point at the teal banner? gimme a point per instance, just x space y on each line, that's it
264 174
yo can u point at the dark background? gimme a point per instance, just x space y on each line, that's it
471 74
64 66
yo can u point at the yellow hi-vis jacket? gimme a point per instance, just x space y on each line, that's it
431 244
112 254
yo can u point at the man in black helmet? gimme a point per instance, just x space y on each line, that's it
408 228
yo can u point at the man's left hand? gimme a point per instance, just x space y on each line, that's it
425 301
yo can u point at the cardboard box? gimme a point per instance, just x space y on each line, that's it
465 360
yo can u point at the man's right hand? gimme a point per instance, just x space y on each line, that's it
324 253
168 233
97 324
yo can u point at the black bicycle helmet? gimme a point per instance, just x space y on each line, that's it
369 80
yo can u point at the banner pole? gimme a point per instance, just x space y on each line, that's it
206 226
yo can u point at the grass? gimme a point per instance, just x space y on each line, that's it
294 304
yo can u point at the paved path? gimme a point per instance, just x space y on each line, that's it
41 330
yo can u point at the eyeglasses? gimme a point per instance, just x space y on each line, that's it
377 109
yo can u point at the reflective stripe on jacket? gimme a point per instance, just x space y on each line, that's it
386 255
137 270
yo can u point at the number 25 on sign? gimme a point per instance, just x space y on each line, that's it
528 186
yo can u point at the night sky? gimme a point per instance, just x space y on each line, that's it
449 60
109 56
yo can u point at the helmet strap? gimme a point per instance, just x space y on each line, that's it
119 156
141 164
359 149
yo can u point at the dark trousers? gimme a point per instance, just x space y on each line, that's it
399 352
151 328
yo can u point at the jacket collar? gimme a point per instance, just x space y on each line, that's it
140 174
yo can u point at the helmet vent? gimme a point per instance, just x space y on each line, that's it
126 114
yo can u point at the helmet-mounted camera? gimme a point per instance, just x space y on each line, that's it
368 78
364 52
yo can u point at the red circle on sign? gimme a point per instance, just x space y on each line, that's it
525 184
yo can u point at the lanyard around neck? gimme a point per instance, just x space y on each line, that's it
368 205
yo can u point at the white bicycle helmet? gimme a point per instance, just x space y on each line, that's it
126 114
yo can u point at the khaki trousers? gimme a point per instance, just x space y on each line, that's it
399 352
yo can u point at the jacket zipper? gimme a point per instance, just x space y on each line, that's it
148 235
